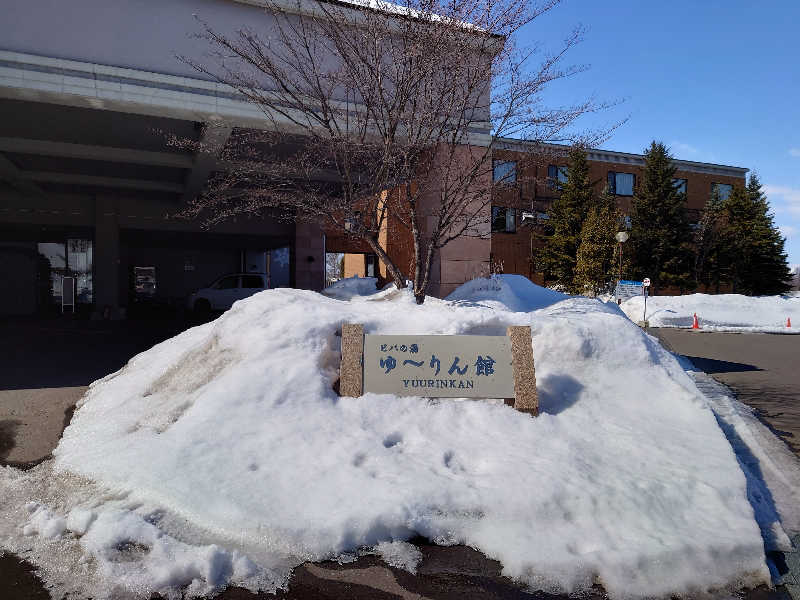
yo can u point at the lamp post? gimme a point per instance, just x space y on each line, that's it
622 237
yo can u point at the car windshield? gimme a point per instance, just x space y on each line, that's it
227 283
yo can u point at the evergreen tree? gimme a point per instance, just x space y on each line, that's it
752 248
706 240
594 270
660 234
566 216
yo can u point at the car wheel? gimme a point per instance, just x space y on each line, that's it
202 308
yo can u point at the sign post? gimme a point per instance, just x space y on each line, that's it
627 289
68 293
440 366
621 237
645 285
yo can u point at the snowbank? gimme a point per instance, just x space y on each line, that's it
772 471
509 292
223 456
721 312
347 288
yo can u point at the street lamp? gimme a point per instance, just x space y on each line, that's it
622 237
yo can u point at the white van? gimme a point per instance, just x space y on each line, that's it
226 290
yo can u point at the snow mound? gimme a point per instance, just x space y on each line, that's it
347 288
514 292
721 312
223 456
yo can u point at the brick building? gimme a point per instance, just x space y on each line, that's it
528 186
532 187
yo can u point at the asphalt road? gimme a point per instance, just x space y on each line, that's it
763 370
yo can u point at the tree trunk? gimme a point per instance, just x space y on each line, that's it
391 268
421 276
421 269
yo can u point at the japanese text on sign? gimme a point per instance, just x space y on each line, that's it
466 366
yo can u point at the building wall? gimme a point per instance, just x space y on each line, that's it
354 265
309 256
117 30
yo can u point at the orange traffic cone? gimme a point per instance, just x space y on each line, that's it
695 324
788 321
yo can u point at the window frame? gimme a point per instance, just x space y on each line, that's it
505 179
556 181
506 211
613 188
727 185
371 268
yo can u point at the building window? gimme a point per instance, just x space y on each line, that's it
680 185
505 171
58 260
556 175
371 265
621 184
724 190
503 219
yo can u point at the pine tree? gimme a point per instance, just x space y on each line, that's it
566 216
594 270
661 238
752 247
706 240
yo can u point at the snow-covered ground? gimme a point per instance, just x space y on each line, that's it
772 471
223 456
720 312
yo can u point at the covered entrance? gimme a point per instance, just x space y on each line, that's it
90 197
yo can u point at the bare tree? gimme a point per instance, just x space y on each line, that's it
379 111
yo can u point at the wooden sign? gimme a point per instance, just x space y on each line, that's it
435 366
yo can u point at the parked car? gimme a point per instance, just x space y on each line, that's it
226 290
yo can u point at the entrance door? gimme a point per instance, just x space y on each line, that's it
72 258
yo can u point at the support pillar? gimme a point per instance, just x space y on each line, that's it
106 259
308 257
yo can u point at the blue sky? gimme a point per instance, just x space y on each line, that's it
716 81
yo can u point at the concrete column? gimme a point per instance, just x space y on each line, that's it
466 257
106 257
308 257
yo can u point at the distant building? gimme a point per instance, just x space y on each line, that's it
535 184
528 187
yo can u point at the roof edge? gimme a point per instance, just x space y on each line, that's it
614 156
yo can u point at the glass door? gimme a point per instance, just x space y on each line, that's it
57 260
79 264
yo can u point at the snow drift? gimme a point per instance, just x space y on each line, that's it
721 312
349 287
223 456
